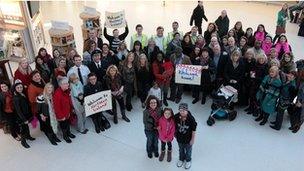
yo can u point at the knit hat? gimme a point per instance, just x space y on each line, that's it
183 106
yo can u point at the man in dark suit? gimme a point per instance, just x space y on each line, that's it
220 59
197 16
98 66
93 36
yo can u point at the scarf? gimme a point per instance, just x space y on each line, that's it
154 115
40 85
8 102
54 123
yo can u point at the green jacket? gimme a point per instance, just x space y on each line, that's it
281 21
269 93
143 40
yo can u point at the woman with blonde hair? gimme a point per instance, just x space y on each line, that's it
46 114
115 82
143 78
268 94
122 51
23 73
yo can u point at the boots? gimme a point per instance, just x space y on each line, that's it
203 99
30 138
96 124
56 138
124 117
66 136
24 143
103 121
115 120
195 100
165 99
51 139
169 156
265 119
260 117
162 155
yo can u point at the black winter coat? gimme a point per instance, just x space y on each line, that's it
198 15
90 89
22 108
222 25
232 73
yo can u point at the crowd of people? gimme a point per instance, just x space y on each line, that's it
259 66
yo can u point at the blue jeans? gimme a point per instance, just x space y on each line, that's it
185 151
152 141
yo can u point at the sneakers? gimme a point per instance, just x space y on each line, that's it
179 163
188 165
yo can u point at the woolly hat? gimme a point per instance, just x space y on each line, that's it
183 106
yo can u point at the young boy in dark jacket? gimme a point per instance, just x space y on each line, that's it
100 121
185 125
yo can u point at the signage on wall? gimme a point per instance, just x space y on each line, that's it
11 14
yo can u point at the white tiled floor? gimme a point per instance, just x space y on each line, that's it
238 145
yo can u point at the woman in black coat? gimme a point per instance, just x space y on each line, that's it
187 45
208 75
210 29
238 30
256 76
234 71
250 37
144 78
24 113
249 63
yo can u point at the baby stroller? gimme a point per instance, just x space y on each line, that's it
222 107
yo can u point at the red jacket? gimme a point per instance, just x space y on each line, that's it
26 79
62 104
162 78
166 129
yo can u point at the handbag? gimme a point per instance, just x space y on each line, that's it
280 30
73 119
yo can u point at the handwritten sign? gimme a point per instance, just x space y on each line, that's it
98 102
115 19
188 74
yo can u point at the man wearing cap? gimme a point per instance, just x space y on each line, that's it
177 89
98 66
185 125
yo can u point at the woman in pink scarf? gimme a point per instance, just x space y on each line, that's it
267 44
260 33
282 46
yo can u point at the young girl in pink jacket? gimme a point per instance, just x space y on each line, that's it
166 130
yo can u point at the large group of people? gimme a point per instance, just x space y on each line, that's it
260 67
